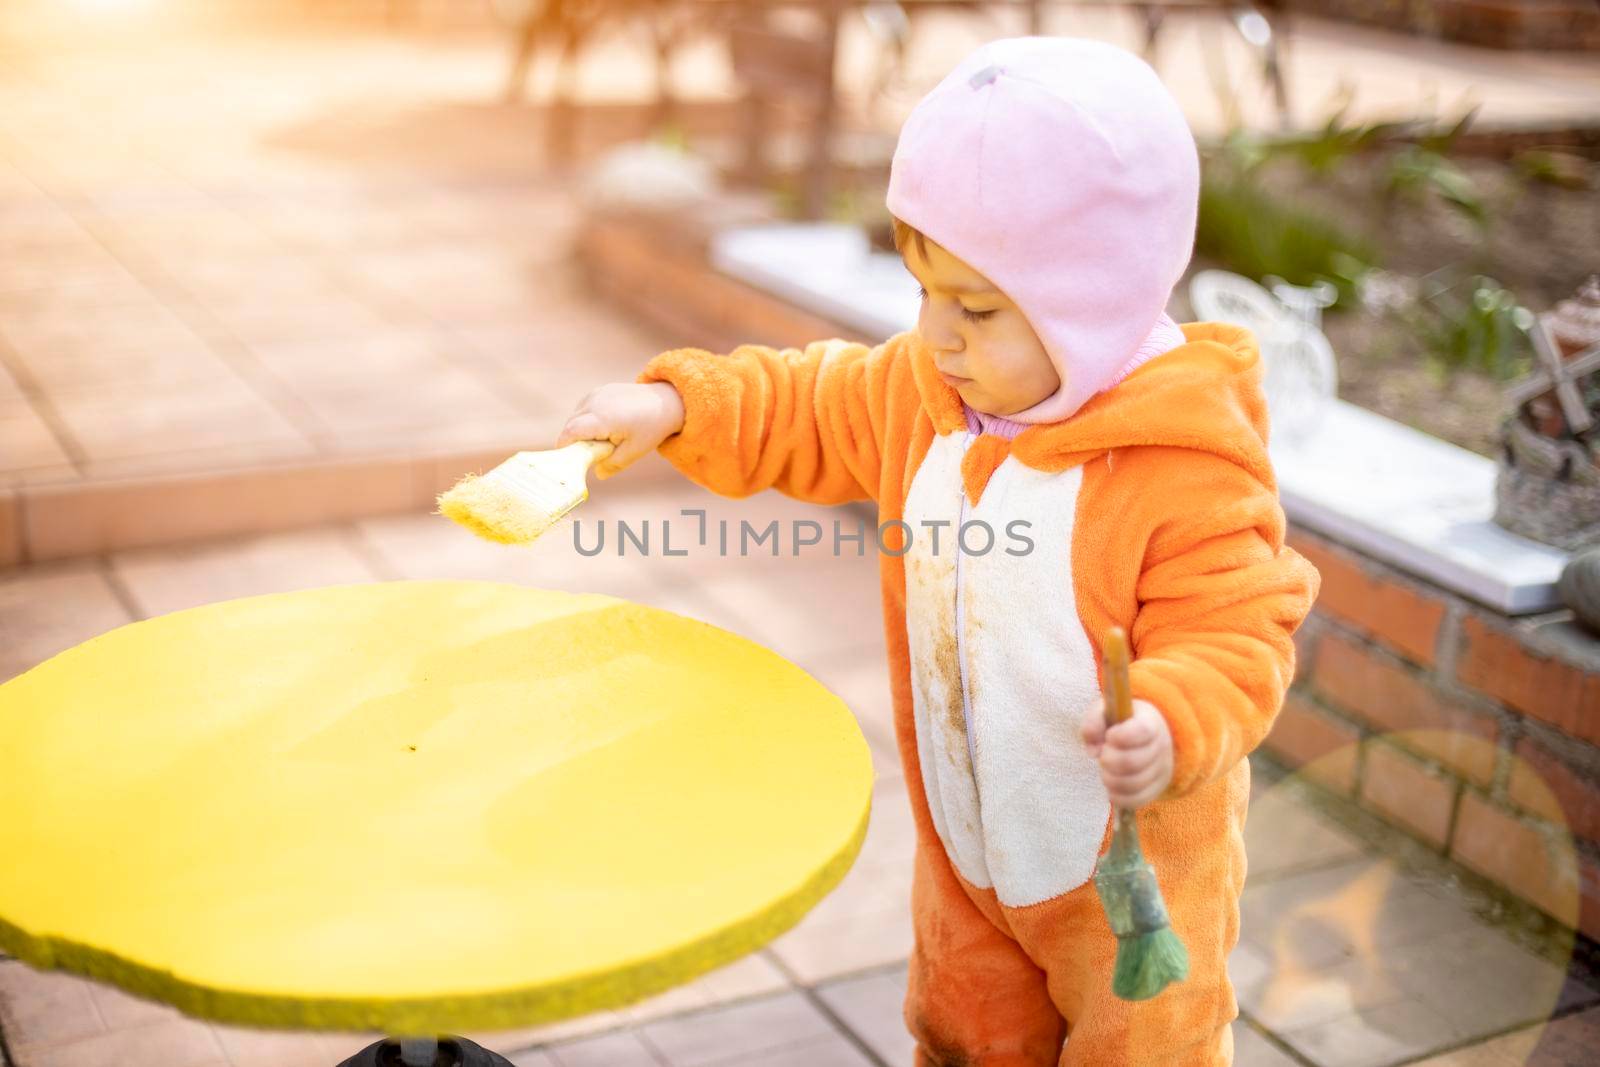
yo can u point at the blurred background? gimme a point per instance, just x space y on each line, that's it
273 273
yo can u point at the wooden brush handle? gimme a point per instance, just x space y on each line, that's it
1119 700
596 450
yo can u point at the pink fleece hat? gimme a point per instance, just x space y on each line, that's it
1063 171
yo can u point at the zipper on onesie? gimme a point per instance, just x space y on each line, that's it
961 659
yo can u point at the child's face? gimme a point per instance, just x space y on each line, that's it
980 340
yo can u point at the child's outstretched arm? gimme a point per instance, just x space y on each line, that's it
1220 597
808 422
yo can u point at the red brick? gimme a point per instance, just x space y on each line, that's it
1532 860
1407 792
1589 893
1357 595
10 530
1393 698
1320 746
1542 783
1559 693
1305 647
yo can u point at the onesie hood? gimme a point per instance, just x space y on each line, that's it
1063 171
1204 394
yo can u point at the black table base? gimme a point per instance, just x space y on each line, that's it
453 1052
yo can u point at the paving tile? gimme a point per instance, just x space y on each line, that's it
178 360
815 951
27 442
459 281
676 1001
1365 939
1283 834
124 1011
584 552
551 1033
44 334
170 579
870 1005
869 889
271 1048
541 355
175 1043
108 291
1378 1037
504 1041
430 546
11 398
505 430
832 1051
1363 908
338 1047
222 413
533 1058
751 976
229 459
1250 1049
806 611
1567 1042
44 1008
387 353
1289 997
269 322
738 1032
234 277
71 264
1484 982
428 392
45 610
621 1049
1512 1050
891 833
754 975
24 481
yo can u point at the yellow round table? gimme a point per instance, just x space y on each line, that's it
417 807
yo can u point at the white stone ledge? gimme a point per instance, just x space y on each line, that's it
1410 500
1415 502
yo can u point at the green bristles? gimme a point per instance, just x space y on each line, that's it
1148 963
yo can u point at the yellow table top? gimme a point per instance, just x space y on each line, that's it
417 807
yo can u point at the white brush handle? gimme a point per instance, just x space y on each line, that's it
578 457
591 451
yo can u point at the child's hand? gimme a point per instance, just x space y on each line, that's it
636 417
1135 755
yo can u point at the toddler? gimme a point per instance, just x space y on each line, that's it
1044 196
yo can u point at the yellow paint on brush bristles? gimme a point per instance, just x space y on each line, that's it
526 495
493 512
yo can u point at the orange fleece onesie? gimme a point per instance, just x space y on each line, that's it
1154 508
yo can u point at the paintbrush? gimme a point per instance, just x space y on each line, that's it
1149 954
526 495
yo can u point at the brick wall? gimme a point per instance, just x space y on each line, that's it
1476 734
